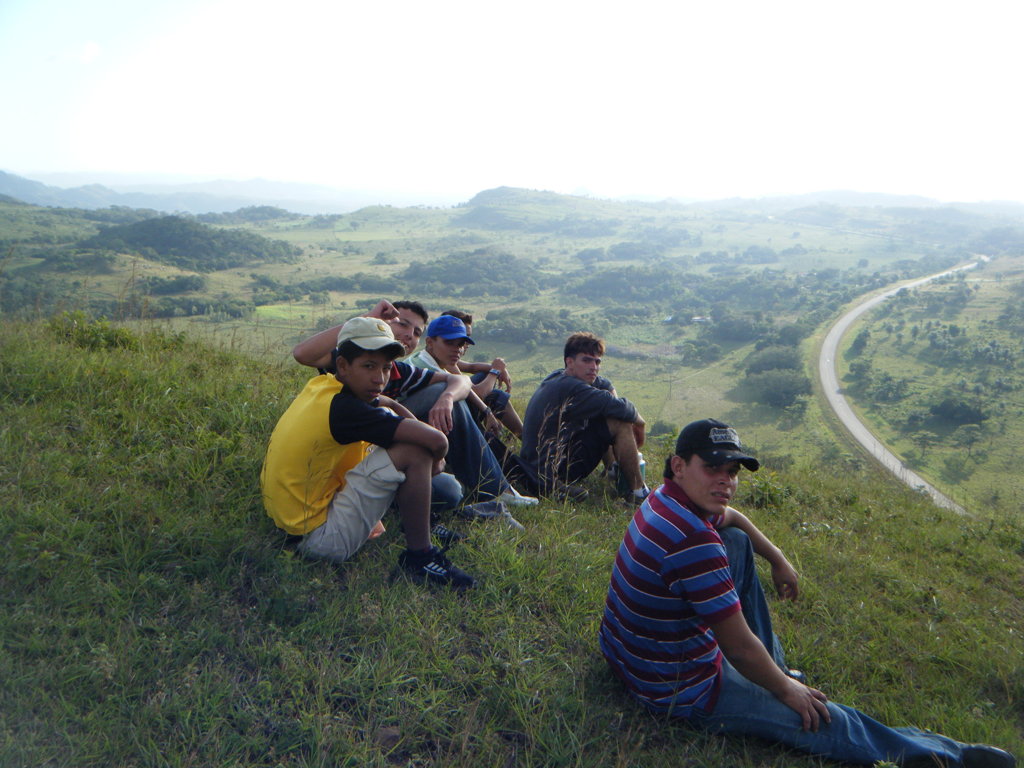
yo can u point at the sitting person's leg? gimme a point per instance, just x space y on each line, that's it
627 455
422 561
748 586
445 494
469 458
356 509
499 402
413 496
746 708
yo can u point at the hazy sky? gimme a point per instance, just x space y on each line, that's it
443 97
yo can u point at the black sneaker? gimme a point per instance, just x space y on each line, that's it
569 492
971 756
984 756
432 567
446 535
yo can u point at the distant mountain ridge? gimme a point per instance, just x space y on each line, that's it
196 198
224 196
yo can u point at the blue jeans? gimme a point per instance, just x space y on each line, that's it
445 494
748 586
746 708
469 458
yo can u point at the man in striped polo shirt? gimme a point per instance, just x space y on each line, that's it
686 626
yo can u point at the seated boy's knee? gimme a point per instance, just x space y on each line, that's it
404 455
618 427
734 539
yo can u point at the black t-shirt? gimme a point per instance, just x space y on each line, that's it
352 420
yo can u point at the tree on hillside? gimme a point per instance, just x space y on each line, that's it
860 342
778 388
773 358
165 286
249 214
791 334
590 255
480 273
957 411
967 436
190 245
729 327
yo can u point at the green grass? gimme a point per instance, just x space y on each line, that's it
151 615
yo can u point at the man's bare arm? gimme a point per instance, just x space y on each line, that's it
752 660
423 435
457 387
316 350
784 575
386 402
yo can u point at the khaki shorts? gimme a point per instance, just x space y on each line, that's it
370 488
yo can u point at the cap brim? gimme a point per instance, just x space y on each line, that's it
453 336
721 457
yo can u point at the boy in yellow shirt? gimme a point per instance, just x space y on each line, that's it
343 451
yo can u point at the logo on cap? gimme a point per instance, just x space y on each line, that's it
726 435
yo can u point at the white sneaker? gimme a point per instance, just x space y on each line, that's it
511 522
514 498
491 510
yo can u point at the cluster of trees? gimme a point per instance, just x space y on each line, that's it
754 254
365 282
669 287
137 305
166 286
653 245
482 272
999 240
17 292
775 377
1012 316
253 214
569 225
78 260
948 343
530 328
669 236
952 346
190 245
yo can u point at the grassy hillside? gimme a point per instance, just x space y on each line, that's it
151 615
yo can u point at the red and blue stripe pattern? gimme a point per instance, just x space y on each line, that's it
670 582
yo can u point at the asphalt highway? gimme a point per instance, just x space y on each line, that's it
837 401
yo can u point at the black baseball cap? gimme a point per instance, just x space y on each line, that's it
714 442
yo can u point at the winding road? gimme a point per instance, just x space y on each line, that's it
837 401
